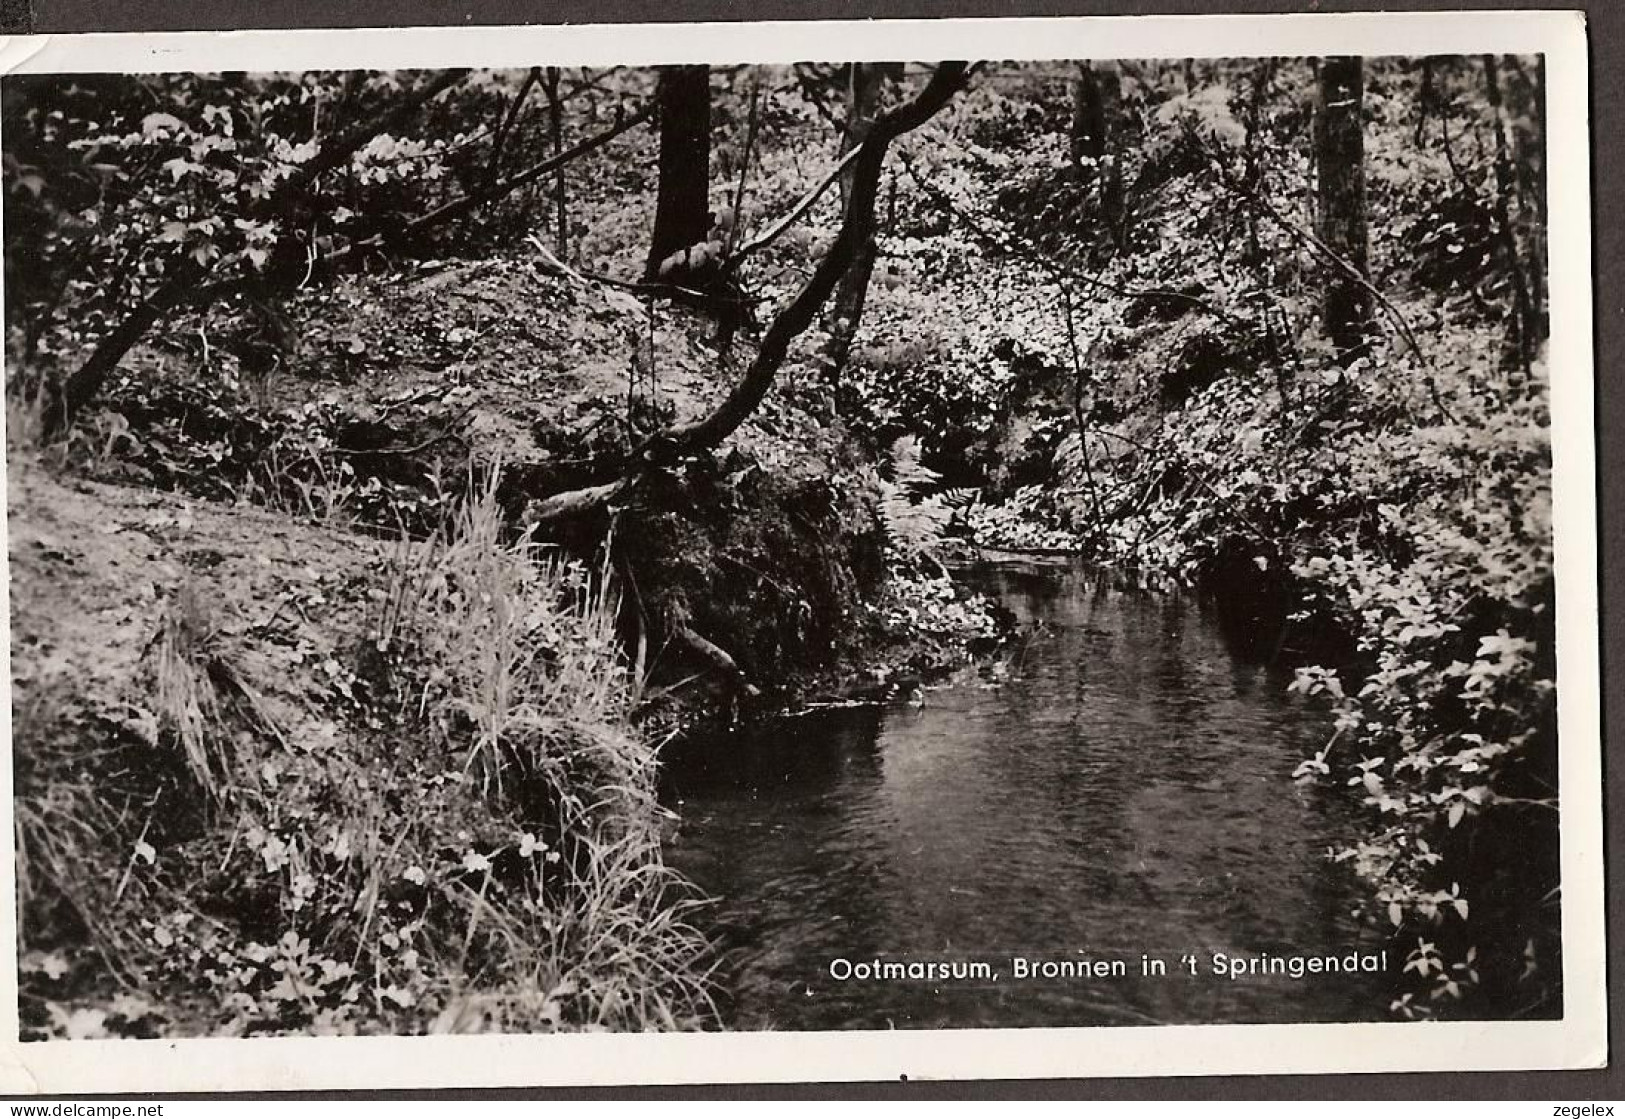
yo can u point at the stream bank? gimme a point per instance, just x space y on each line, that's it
307 600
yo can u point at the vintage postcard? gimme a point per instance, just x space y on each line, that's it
829 551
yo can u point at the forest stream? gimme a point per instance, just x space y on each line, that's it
1118 786
395 457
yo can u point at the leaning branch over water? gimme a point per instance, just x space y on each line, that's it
682 439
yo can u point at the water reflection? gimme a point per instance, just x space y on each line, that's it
1124 791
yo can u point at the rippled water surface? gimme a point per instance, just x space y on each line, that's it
1121 789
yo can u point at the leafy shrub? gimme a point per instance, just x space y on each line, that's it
1429 543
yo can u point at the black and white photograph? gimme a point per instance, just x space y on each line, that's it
993 530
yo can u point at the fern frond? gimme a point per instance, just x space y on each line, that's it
908 472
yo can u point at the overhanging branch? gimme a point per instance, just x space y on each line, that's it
681 439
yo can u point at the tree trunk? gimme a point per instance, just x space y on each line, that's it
682 208
1425 97
505 128
868 81
1339 143
857 225
1527 329
76 391
555 133
1095 140
1252 172
1088 132
1531 147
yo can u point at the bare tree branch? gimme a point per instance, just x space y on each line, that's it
795 214
499 140
460 206
1056 272
748 393
682 439
1353 273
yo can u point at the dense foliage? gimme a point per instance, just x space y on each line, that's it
1144 334
1095 323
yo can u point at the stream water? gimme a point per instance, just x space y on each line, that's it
1117 789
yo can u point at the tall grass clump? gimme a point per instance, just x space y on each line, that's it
526 689
525 661
25 415
425 811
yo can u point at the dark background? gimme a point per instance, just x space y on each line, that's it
1607 47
